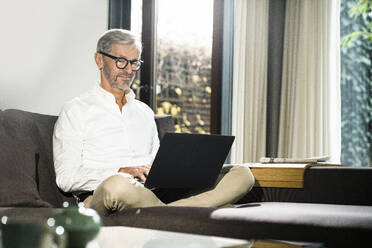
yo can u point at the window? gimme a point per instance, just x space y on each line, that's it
356 92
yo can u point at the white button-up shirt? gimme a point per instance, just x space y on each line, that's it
93 139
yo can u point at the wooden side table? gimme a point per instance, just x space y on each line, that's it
280 175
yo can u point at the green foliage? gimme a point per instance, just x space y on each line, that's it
362 9
350 38
356 84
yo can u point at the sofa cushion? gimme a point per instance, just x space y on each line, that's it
49 191
17 181
34 131
164 123
334 225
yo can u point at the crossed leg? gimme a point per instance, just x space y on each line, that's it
121 191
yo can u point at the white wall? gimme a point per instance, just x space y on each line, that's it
46 51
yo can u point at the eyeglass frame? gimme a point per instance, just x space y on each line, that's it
117 59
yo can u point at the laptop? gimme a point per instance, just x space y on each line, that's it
188 161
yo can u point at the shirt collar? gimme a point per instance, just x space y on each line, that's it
110 97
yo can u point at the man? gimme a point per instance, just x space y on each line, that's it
105 138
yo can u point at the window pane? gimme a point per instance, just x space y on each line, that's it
356 92
184 48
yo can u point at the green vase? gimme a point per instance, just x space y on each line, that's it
81 225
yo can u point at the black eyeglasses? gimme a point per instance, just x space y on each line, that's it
121 63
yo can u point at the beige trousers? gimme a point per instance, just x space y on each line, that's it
121 191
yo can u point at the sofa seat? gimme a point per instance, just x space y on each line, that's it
332 224
27 214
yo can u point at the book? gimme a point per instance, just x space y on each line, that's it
311 160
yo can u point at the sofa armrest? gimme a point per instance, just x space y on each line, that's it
339 185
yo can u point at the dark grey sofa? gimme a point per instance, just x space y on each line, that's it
334 207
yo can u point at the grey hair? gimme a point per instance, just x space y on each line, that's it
118 36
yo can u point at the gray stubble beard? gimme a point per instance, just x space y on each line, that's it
114 83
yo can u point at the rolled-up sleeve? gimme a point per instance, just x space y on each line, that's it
68 151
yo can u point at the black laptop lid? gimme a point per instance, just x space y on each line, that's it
188 160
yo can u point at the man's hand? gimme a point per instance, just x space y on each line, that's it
140 171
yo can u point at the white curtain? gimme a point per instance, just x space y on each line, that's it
310 99
250 80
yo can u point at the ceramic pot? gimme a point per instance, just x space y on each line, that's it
81 225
